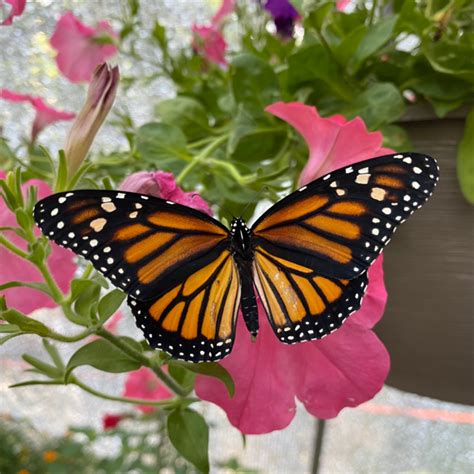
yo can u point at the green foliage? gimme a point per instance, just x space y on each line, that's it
465 162
189 434
145 449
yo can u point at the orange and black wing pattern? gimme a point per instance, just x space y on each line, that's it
338 224
143 244
195 319
302 305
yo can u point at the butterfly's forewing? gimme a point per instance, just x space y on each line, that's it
338 224
144 245
301 304
195 320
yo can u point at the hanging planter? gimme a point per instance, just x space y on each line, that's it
427 326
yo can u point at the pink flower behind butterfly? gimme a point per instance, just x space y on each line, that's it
45 115
209 42
14 268
16 9
80 48
163 185
342 370
143 383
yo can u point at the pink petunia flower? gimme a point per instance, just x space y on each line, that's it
45 115
16 9
163 185
209 42
226 8
333 142
143 383
81 48
342 4
346 368
110 421
14 268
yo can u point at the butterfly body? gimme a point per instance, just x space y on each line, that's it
187 275
242 247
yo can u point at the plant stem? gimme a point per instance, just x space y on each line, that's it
13 248
48 278
147 362
197 159
372 12
134 401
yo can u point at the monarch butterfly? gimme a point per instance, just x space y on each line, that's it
186 274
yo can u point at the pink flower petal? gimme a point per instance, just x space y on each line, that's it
143 383
163 185
333 143
226 8
263 400
17 8
352 365
78 53
45 115
13 268
342 4
210 43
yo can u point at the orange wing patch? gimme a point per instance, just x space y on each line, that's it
201 312
300 304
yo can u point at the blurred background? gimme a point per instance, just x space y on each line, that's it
421 422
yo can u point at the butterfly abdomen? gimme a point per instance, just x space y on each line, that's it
243 253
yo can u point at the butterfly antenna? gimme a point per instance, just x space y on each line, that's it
258 196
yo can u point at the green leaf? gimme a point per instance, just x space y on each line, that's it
109 304
465 159
374 39
254 138
43 287
253 82
61 176
449 57
103 355
189 434
211 369
163 145
187 114
346 49
25 323
10 336
54 354
47 369
184 377
379 104
86 299
312 63
159 34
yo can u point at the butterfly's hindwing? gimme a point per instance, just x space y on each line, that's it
141 243
340 223
302 305
195 320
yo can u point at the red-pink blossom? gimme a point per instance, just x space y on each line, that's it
333 142
143 383
342 4
80 48
209 42
346 368
163 185
110 421
16 9
226 8
14 268
45 115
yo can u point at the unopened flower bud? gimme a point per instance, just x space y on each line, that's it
100 97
